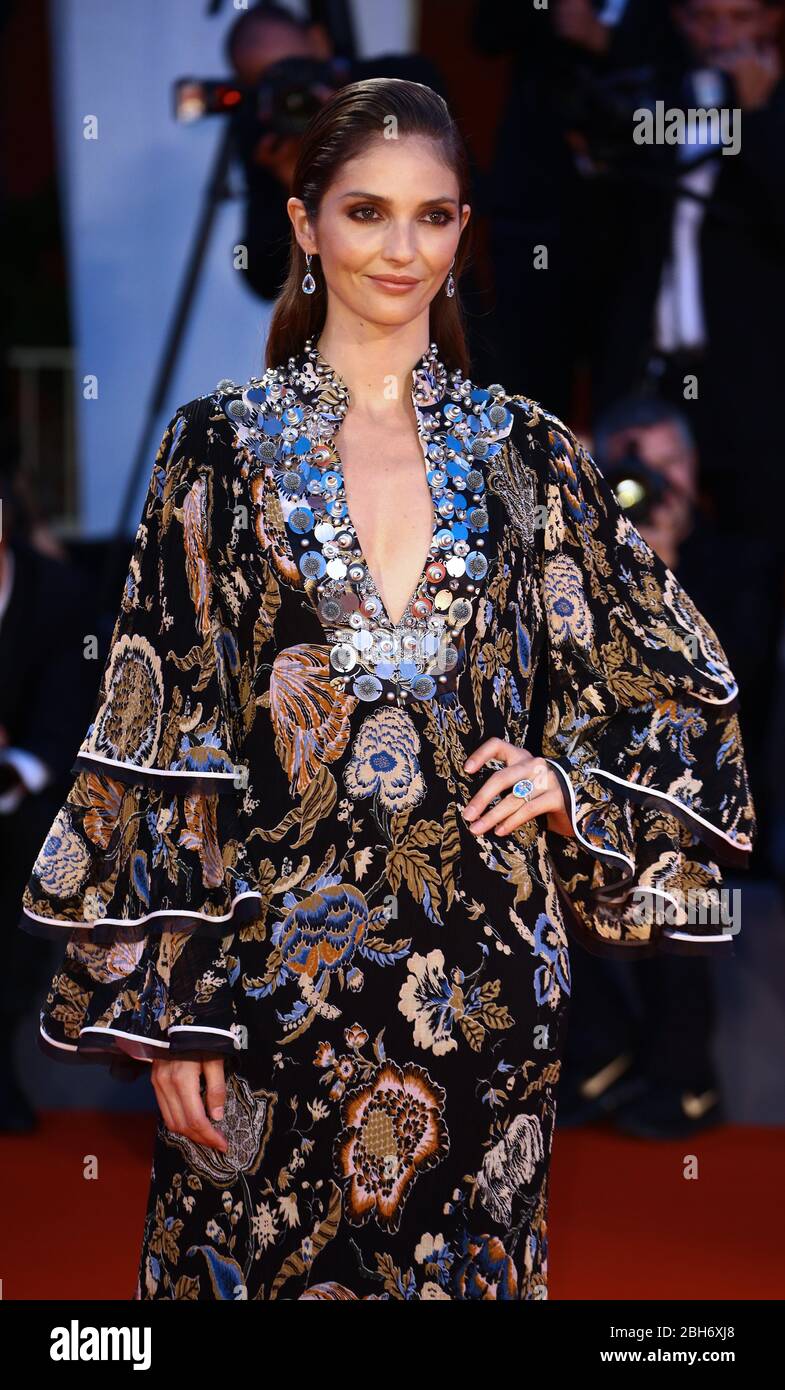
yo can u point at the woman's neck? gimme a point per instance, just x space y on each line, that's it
377 370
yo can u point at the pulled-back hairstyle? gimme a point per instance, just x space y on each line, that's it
353 117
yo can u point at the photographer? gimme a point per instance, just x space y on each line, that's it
46 687
575 72
652 440
699 291
639 1042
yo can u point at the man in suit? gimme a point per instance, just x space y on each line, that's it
697 302
696 309
46 689
553 190
640 1035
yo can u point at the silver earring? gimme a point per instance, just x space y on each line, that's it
450 286
309 284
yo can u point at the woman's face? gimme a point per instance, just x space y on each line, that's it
391 212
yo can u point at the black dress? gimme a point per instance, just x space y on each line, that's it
263 854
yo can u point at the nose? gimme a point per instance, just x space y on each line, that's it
400 243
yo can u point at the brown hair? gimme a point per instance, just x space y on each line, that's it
348 121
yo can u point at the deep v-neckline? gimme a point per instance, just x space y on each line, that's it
360 548
287 421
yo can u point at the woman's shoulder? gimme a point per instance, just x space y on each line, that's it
216 421
201 411
233 413
240 403
534 418
541 438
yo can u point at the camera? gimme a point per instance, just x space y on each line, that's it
637 486
283 101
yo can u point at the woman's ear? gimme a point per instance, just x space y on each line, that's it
298 217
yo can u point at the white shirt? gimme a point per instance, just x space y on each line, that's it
679 313
611 12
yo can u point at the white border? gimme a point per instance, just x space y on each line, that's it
652 791
642 790
153 771
693 936
707 700
138 921
614 853
133 1037
600 896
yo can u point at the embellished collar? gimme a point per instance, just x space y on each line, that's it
287 420
310 371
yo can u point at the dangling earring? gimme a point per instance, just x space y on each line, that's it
309 284
450 286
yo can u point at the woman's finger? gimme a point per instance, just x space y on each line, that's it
198 1125
515 813
215 1087
167 1096
491 748
514 808
161 1096
182 1107
519 766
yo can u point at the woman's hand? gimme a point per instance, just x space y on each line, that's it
176 1085
548 797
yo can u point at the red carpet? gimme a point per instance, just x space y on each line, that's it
624 1221
67 1236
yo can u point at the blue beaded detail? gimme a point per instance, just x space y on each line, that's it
287 422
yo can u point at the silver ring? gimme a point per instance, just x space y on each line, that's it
523 789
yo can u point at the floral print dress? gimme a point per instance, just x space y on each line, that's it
263 857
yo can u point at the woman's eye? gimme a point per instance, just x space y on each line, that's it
443 217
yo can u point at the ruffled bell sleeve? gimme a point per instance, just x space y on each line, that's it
642 728
137 874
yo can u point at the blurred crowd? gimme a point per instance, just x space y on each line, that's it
639 293
633 282
657 324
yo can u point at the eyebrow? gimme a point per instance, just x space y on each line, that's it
378 198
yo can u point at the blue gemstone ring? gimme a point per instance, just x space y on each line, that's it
523 789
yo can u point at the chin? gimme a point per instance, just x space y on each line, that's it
391 315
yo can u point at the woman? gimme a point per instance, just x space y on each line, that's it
309 863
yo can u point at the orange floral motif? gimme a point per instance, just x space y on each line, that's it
105 797
393 1130
310 717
